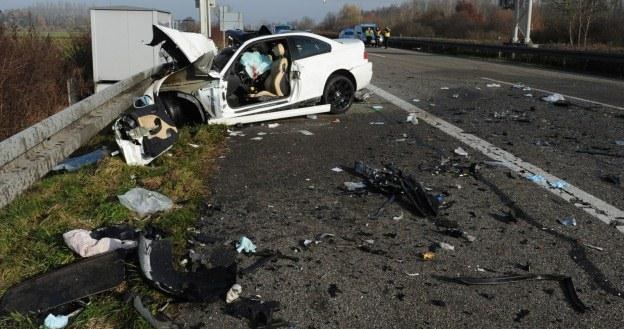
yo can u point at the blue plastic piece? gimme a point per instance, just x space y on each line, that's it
55 321
73 164
244 244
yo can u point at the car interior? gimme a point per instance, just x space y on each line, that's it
259 74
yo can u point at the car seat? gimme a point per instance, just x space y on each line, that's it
274 83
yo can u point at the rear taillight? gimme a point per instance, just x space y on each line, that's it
365 55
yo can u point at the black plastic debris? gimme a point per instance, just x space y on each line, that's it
266 256
333 290
397 186
202 285
120 232
258 312
87 277
521 315
565 281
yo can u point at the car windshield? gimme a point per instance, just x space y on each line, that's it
222 58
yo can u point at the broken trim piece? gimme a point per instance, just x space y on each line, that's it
272 116
565 281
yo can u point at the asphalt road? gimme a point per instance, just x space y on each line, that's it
280 190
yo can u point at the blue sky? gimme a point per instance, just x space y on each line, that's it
254 11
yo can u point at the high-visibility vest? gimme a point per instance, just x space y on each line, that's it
387 34
369 33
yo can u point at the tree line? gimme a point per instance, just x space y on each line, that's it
48 16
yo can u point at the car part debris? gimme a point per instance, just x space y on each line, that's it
273 125
258 312
81 279
82 243
267 256
427 255
333 290
554 98
411 118
461 152
145 202
392 183
457 233
354 186
446 246
306 132
234 293
593 247
312 116
147 315
55 321
120 232
537 179
202 285
377 123
144 134
521 315
493 85
568 221
337 169
257 138
73 164
399 217
566 284
244 244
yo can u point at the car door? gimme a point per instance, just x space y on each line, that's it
312 64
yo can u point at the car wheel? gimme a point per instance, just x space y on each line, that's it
339 93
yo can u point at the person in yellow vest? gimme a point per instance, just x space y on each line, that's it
369 36
386 34
379 37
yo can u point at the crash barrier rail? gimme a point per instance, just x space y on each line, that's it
611 65
30 154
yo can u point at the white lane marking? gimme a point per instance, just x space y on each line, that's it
382 56
554 92
581 199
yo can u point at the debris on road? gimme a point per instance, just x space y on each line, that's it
82 243
412 118
354 186
612 179
244 244
593 247
521 315
74 164
257 138
362 96
333 290
566 284
394 184
195 146
145 202
337 169
377 123
556 99
377 107
416 100
234 293
427 255
567 221
619 142
455 96
461 152
258 312
306 132
312 116
493 85
273 125
446 246
444 88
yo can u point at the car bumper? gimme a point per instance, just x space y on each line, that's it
363 75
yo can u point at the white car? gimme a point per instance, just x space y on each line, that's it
264 77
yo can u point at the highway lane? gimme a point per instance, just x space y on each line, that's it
553 138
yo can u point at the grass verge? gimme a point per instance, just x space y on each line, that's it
31 227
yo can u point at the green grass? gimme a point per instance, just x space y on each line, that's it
31 227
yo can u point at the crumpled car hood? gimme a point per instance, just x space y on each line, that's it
185 48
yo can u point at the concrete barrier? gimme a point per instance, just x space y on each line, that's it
32 153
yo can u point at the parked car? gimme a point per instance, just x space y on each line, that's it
347 34
266 77
283 28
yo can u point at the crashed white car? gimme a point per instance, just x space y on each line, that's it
260 77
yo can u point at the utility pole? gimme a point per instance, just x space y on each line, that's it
522 20
205 15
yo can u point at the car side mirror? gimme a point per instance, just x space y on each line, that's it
214 74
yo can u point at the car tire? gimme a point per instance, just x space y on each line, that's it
339 93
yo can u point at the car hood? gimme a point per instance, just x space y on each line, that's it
185 48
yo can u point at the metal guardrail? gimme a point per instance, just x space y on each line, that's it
29 155
606 64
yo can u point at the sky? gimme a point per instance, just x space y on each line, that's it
254 11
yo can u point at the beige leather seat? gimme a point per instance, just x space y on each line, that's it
273 83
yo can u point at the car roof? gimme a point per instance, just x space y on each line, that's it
291 34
